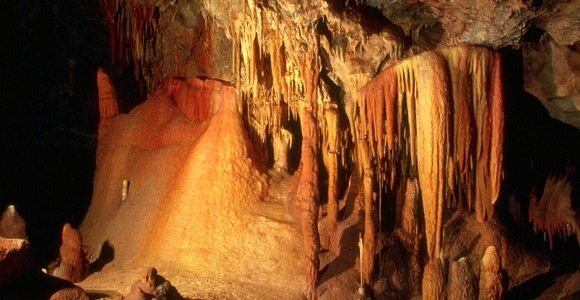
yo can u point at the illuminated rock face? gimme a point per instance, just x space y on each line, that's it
197 195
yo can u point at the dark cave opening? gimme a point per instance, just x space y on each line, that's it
49 115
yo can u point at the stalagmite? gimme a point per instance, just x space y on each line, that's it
108 106
462 282
370 212
74 265
432 135
480 70
408 230
463 119
308 198
433 286
153 286
132 36
496 95
458 59
281 143
490 276
308 186
330 154
12 226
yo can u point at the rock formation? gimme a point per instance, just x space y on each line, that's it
462 283
108 104
153 286
15 259
21 278
74 265
282 141
553 214
188 134
433 286
490 276
12 226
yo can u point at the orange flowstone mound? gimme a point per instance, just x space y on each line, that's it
197 198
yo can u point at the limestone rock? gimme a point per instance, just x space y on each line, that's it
433 281
462 281
12 226
74 265
15 259
490 277
153 286
552 74
70 293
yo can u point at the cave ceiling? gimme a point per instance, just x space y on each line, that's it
356 39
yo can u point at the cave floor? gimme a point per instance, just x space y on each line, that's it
113 282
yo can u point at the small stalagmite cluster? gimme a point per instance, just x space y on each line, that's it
438 117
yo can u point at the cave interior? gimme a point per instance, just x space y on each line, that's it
290 149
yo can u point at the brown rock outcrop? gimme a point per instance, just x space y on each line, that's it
153 286
12 226
74 265
15 259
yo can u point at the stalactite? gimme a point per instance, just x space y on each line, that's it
432 136
433 285
116 19
308 186
433 117
554 214
308 197
132 36
408 230
496 95
370 212
108 107
281 143
479 68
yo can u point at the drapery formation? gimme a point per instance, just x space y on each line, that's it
438 116
132 36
